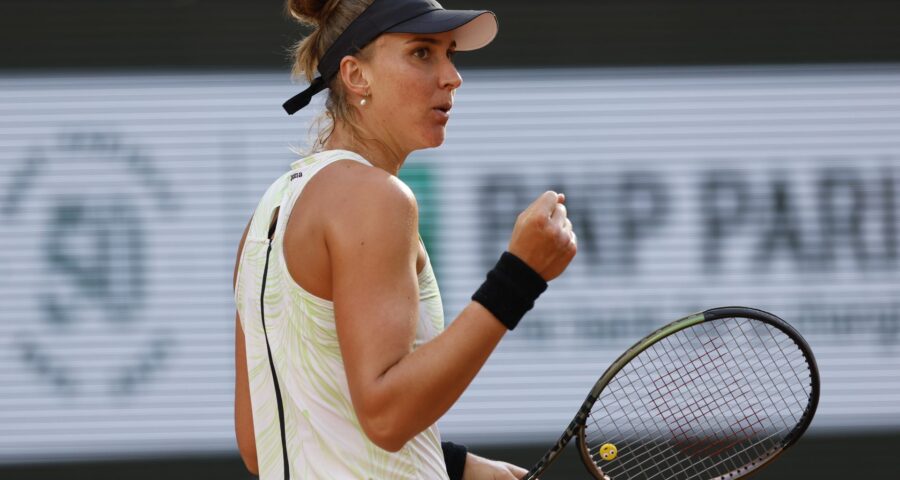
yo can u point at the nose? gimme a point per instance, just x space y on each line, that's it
450 77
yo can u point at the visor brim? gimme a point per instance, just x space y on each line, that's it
473 29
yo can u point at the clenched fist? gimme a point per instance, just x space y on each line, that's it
543 236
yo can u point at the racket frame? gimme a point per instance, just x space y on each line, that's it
577 425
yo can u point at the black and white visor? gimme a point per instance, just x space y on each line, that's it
472 29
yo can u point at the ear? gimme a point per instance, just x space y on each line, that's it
354 75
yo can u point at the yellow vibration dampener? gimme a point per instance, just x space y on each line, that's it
608 452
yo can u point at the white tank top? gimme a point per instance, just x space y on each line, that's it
324 438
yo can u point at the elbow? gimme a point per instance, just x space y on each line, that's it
246 443
386 440
252 467
250 462
384 428
384 435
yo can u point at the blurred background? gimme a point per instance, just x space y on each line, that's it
714 152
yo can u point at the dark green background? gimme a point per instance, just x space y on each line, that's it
833 457
240 34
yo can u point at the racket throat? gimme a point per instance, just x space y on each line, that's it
553 453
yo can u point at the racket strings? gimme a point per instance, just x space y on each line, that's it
793 360
676 422
701 403
660 449
642 370
694 398
738 430
753 451
663 455
764 403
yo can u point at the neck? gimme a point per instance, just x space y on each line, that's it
377 152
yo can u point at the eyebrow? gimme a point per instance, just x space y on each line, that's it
430 41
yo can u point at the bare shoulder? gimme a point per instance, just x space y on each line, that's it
358 194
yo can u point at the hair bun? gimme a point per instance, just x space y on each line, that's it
312 11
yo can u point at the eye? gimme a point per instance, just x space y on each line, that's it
421 53
451 54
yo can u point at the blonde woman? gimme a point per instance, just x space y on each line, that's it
343 365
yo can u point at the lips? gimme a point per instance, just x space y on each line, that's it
445 107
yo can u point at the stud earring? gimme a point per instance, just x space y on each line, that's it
363 102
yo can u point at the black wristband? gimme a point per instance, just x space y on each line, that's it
455 459
510 290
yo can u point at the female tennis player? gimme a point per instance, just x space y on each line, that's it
343 365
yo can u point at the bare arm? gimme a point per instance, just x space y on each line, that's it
372 243
243 412
480 468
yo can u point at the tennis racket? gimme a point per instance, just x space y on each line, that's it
716 395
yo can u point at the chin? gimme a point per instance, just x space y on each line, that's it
436 144
434 138
426 136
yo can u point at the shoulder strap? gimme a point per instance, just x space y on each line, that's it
321 159
302 172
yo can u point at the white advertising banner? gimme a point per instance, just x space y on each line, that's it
123 197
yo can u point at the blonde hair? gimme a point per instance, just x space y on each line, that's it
330 18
